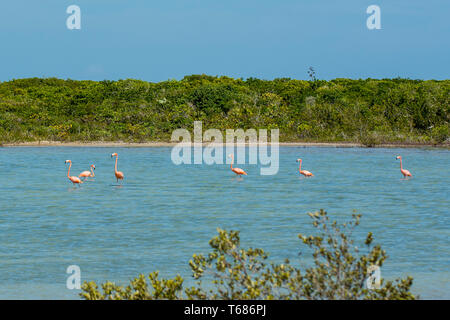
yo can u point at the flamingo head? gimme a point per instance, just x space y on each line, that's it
398 157
298 160
231 155
68 161
93 167
114 155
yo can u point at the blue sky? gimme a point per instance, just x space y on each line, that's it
168 39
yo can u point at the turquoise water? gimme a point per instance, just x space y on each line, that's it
164 213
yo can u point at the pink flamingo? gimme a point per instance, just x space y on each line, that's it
304 172
405 172
72 178
238 171
86 174
119 175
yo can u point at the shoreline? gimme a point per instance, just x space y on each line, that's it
172 144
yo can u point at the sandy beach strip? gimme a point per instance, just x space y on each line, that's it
172 144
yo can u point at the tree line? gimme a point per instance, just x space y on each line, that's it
367 111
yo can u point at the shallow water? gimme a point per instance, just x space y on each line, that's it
164 213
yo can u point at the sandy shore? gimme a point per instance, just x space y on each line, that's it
171 144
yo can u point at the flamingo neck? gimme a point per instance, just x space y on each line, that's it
68 172
300 166
92 171
401 166
232 160
115 167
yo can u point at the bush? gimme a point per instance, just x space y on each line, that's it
340 271
441 133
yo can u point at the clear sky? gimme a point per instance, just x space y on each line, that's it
156 40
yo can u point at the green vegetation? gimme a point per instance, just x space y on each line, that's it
340 271
341 110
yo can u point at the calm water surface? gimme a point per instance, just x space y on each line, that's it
164 213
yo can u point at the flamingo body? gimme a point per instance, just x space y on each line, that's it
239 171
75 179
406 173
119 175
85 174
306 173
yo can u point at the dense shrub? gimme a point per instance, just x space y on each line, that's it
368 111
340 271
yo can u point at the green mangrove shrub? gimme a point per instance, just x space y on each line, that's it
340 270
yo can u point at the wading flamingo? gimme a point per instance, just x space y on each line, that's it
72 178
86 174
304 172
238 171
119 175
405 172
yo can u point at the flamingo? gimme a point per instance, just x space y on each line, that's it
119 175
304 172
405 172
72 178
86 174
238 171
